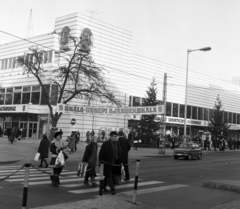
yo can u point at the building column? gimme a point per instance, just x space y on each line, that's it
38 124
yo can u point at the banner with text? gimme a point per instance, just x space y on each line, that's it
69 109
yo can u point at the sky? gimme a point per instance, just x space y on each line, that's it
162 29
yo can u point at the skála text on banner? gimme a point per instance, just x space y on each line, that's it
147 110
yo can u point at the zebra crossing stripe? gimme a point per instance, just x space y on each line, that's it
22 170
155 189
38 174
83 191
78 185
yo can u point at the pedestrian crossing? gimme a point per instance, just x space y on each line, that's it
74 184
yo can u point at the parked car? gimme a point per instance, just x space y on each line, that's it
188 151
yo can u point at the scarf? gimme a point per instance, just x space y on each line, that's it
93 158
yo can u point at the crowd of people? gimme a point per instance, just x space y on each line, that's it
14 133
113 151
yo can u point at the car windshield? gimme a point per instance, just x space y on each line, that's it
185 146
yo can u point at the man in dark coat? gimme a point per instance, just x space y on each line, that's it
125 147
43 149
110 154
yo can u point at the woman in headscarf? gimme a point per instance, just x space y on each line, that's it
56 146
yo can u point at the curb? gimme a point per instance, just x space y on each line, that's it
220 185
8 162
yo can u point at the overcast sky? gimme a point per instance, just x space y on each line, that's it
162 29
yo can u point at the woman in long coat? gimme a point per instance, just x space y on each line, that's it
43 149
55 147
13 134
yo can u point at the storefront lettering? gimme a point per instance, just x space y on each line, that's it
9 109
191 122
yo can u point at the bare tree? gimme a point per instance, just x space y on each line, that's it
77 76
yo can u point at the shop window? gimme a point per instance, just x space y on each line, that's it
15 118
200 113
17 98
225 117
33 117
189 111
206 114
194 113
2 99
230 117
175 110
234 118
238 118
23 117
168 108
9 98
182 110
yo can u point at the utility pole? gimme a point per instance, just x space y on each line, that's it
29 29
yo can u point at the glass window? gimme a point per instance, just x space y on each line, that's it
10 63
9 98
14 62
175 110
168 108
35 97
9 90
225 116
43 98
54 95
36 88
26 98
194 113
234 118
182 108
238 118
17 98
18 89
210 114
6 64
230 117
189 111
33 117
2 90
206 114
2 99
26 89
200 113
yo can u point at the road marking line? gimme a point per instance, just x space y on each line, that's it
82 191
155 189
39 174
22 170
78 185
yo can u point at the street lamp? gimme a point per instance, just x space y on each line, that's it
186 90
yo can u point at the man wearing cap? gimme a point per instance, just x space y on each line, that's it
110 153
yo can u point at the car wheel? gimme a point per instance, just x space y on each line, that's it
189 157
175 157
200 156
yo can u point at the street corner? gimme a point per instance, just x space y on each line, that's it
118 201
230 185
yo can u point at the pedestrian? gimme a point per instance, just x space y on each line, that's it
9 133
71 144
88 136
77 139
103 135
234 143
43 149
13 134
125 147
90 157
230 144
24 133
135 142
18 134
108 154
55 147
238 143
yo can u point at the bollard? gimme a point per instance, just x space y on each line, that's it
25 188
101 185
136 182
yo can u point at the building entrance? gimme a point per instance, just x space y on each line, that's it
32 131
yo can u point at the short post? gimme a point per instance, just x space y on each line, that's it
136 182
25 188
101 185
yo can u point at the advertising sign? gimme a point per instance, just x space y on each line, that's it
189 121
13 108
74 109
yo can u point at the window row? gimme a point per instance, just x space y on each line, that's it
198 113
27 94
11 63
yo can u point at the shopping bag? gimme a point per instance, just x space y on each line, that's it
60 159
36 158
82 168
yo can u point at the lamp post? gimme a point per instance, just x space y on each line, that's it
186 89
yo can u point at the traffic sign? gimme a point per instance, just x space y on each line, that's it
73 121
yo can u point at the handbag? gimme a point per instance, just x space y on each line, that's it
82 168
60 159
36 158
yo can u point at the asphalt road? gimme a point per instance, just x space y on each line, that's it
156 173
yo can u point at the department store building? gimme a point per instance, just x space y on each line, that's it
127 74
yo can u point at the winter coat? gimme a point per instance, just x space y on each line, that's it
125 147
106 154
87 155
54 150
43 148
71 144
